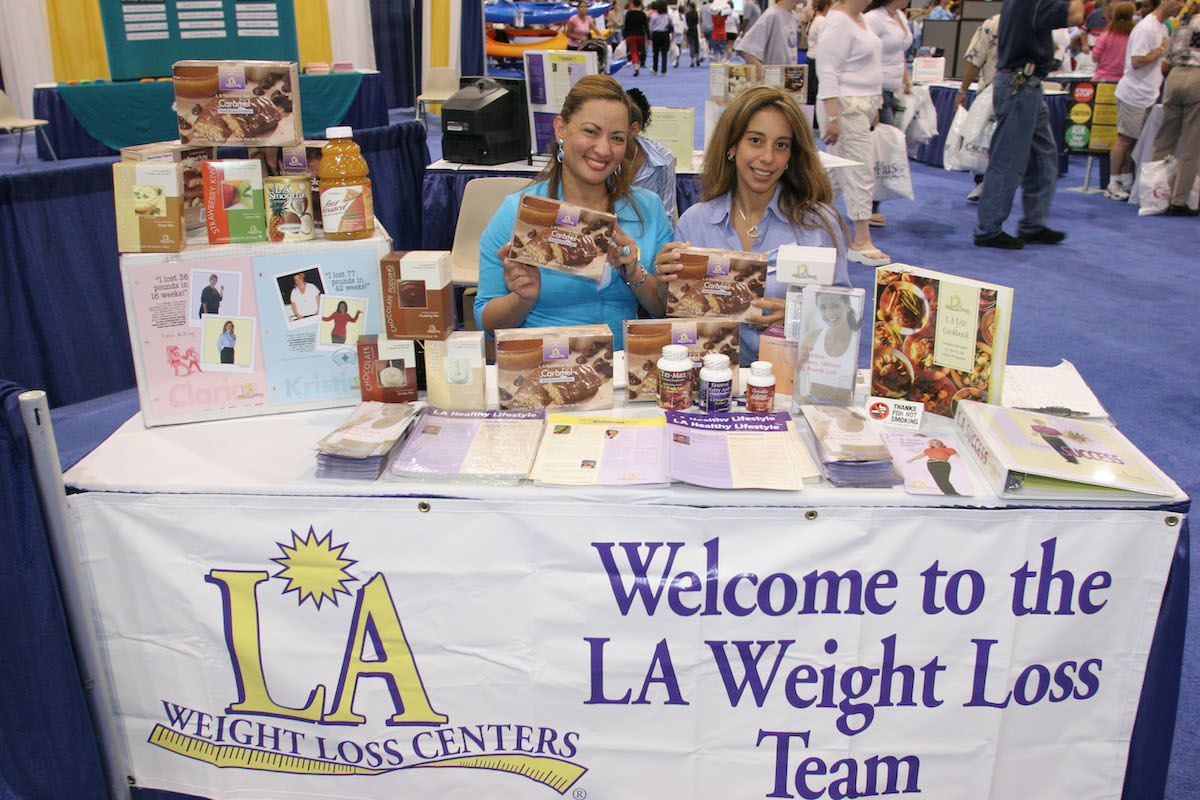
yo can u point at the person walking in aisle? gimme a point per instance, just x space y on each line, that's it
819 9
677 28
851 91
692 18
660 34
706 25
751 11
635 32
720 11
981 64
1137 91
773 39
887 20
1181 113
1023 151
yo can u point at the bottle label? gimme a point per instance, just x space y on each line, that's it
760 399
675 389
716 397
347 209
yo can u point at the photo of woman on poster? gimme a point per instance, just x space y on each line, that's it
828 354
340 319
938 464
226 342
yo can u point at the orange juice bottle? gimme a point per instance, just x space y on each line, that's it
346 208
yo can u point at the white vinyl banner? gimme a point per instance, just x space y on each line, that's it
379 648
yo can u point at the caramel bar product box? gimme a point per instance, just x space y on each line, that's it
234 208
645 339
715 282
387 369
454 371
418 296
193 180
562 367
149 205
555 235
238 102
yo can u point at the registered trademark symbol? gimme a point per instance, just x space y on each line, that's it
579 794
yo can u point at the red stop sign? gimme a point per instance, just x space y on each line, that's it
1084 92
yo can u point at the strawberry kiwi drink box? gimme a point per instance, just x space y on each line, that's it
234 208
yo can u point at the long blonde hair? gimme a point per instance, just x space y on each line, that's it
805 185
596 87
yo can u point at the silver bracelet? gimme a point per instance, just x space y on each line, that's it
645 275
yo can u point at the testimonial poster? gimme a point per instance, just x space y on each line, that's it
145 37
301 648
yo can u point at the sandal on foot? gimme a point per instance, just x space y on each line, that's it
871 258
877 220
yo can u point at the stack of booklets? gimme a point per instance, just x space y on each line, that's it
588 451
851 452
738 451
1027 454
489 446
359 449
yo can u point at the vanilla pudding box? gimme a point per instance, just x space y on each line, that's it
238 102
387 369
717 283
149 206
190 157
560 236
562 367
454 371
418 295
645 339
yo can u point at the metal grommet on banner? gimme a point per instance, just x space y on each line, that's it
423 507
810 515
1172 521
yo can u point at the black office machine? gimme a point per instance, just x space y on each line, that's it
486 122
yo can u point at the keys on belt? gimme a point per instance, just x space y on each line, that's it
1019 77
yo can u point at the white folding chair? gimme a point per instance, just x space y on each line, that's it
481 198
15 124
438 84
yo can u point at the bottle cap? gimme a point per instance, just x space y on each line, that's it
674 351
716 361
339 132
763 368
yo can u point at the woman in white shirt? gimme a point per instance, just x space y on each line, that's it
887 20
812 34
850 94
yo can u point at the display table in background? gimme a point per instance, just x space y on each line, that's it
943 95
97 119
230 583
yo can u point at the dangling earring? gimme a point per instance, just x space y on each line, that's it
559 155
617 171
729 156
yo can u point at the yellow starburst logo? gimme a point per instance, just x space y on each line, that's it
314 568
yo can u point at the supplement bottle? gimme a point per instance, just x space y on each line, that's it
346 208
675 378
716 384
760 388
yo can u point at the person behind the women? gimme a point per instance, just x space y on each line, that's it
763 186
850 94
635 31
819 9
589 167
1181 112
1109 52
887 20
827 353
226 342
653 163
720 13
579 27
942 11
692 18
939 464
660 34
678 26
341 318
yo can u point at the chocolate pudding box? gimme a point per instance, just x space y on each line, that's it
234 207
387 369
713 282
645 339
190 156
238 102
418 296
562 367
560 236
148 200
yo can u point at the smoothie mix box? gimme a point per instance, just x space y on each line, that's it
148 198
190 156
559 367
234 208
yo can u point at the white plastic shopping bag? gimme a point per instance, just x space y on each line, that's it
1155 182
953 146
922 116
892 175
977 133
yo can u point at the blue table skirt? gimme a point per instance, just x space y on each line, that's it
943 100
366 109
64 318
442 195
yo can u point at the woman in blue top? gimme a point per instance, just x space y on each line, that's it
763 186
226 342
590 168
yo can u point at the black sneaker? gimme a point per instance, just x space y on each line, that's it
1001 240
1043 236
1182 211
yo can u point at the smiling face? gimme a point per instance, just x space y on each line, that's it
228 327
298 279
832 309
593 142
762 152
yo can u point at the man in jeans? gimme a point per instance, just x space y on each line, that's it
1023 151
